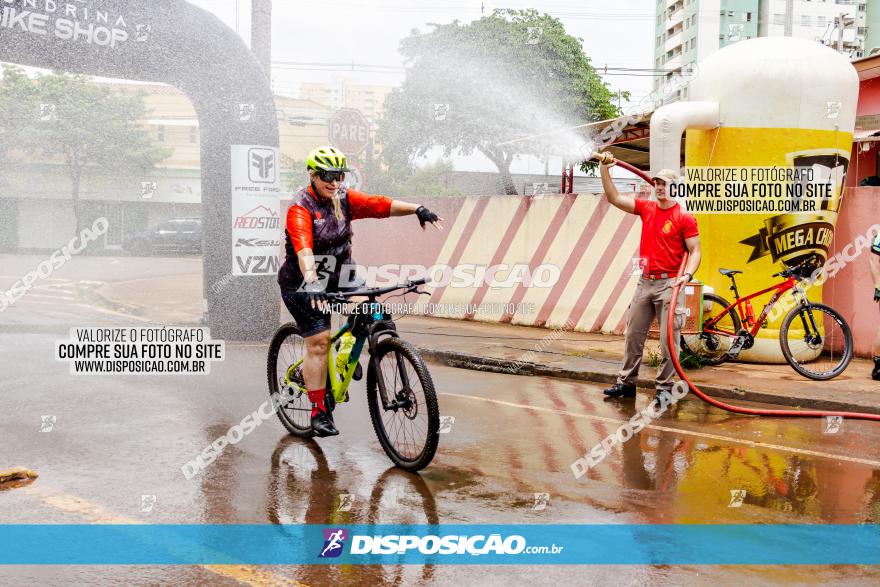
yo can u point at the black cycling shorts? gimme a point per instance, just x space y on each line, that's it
311 321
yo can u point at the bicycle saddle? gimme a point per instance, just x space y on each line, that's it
729 272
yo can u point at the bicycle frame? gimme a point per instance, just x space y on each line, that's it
338 382
745 318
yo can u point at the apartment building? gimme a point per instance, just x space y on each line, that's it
344 93
686 31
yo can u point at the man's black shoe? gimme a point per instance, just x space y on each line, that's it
621 390
323 426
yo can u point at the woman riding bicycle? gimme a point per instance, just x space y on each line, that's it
319 225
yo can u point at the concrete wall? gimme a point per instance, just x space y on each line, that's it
851 291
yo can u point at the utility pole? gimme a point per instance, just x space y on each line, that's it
841 25
261 33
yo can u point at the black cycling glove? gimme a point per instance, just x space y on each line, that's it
316 293
425 216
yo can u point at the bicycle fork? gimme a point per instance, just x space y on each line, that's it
401 400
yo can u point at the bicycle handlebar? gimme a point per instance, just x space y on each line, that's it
374 292
796 270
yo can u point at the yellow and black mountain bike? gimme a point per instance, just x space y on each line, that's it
400 392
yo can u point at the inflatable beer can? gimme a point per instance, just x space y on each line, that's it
786 114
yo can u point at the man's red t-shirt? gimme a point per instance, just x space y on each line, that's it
663 234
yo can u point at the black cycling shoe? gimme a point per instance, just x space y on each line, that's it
621 390
323 425
875 374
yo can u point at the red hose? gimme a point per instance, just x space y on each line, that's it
729 407
719 404
635 170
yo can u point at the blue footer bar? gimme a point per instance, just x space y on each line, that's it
45 544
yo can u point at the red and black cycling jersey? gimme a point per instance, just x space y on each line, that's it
312 223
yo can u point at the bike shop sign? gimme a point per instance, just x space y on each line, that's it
72 20
256 227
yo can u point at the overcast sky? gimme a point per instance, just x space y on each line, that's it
368 33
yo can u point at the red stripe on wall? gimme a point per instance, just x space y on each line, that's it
568 270
613 299
518 218
541 250
463 241
602 266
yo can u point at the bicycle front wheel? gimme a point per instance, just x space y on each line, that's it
711 345
816 341
286 385
406 416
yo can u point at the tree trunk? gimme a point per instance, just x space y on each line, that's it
503 164
507 181
75 175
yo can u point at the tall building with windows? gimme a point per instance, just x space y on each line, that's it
872 23
344 93
686 31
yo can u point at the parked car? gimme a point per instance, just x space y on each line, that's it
177 235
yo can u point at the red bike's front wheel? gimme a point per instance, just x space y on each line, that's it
816 341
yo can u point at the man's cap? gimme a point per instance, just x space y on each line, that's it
667 175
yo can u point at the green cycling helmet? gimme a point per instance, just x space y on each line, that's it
327 159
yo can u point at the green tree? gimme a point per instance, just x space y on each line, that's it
19 107
474 87
86 127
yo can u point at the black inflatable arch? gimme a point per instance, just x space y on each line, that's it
173 42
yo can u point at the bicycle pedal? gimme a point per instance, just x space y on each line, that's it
737 347
358 373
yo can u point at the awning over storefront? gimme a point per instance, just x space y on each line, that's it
866 136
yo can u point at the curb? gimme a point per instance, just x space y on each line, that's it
491 365
133 311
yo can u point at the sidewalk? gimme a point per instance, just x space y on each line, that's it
534 351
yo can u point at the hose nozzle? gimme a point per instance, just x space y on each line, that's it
603 157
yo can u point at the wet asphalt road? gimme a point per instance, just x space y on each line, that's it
117 439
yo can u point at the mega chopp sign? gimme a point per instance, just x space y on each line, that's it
174 42
73 20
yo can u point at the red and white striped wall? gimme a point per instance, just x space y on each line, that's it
592 243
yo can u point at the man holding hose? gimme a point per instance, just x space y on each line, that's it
667 233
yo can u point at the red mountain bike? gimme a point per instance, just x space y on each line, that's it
816 340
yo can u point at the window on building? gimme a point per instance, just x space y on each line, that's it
778 18
806 20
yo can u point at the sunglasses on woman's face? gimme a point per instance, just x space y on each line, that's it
331 176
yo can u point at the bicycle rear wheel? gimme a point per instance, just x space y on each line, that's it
286 385
408 420
816 341
712 344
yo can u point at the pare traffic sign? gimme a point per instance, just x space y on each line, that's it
349 131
